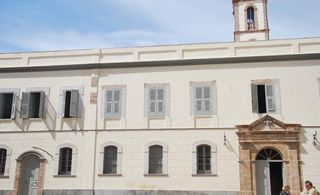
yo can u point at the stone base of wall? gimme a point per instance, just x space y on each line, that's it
135 192
6 192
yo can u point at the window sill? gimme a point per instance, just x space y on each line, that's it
110 175
204 175
116 118
33 119
65 176
6 119
203 116
4 177
156 116
156 175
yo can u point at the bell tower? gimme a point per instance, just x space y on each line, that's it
251 21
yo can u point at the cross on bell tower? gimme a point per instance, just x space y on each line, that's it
251 21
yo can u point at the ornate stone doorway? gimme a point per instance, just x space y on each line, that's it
29 174
269 153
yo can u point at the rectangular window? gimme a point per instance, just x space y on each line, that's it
156 100
65 161
7 105
113 103
265 98
203 98
32 105
155 159
3 158
71 100
110 160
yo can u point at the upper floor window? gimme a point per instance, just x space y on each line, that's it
265 97
203 159
250 18
3 159
110 160
65 161
156 100
203 98
155 159
7 105
71 104
114 101
33 104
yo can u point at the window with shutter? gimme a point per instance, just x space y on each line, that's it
113 103
265 98
203 98
7 105
156 101
71 100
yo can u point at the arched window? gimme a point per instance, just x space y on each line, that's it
268 154
110 160
155 159
203 159
250 14
3 159
65 161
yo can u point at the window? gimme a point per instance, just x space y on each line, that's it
110 160
265 97
66 155
7 105
156 100
33 104
65 161
3 159
203 159
250 14
203 98
155 159
71 103
114 101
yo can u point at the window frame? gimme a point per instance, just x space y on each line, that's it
119 159
14 106
7 161
213 160
78 107
212 100
121 102
164 158
43 101
165 101
73 160
275 98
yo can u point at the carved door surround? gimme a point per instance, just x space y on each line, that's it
268 132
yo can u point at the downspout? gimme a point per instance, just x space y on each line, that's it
95 76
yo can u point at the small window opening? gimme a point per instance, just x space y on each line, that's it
3 157
67 104
250 18
6 100
35 101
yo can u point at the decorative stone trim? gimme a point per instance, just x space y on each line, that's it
213 157
8 160
74 158
119 158
164 157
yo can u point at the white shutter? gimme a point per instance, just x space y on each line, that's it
25 105
13 108
42 105
1 105
214 102
207 98
63 110
254 98
108 103
198 100
74 98
116 103
270 98
161 94
277 95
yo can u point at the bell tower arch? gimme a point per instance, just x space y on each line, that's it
251 21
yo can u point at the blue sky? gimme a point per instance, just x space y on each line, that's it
42 25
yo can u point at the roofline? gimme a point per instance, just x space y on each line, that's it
165 63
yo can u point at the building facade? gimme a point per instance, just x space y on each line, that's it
216 118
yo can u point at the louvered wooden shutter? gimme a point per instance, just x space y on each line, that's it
254 98
13 108
74 100
42 105
25 105
270 98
